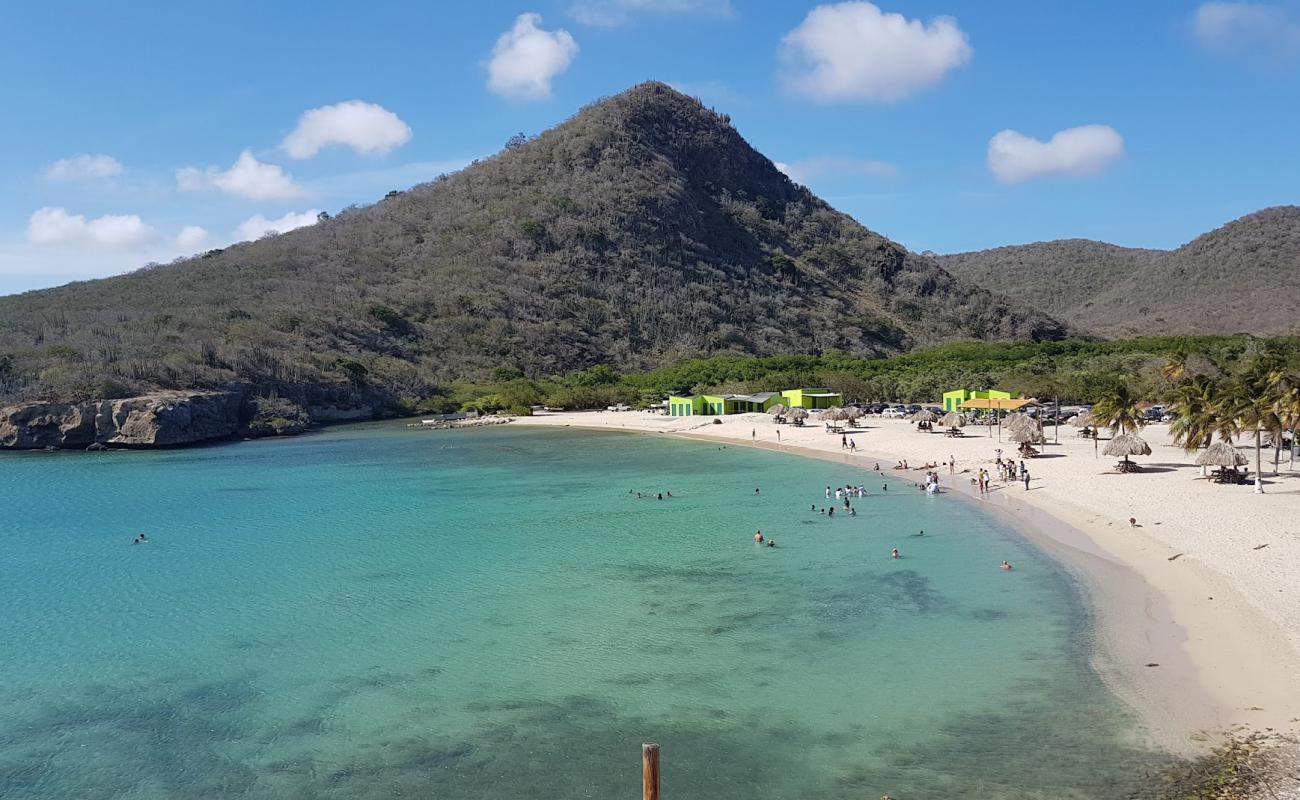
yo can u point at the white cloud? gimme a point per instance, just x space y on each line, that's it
611 13
1251 28
1087 149
257 226
247 178
526 59
55 226
837 166
191 236
365 127
84 167
854 51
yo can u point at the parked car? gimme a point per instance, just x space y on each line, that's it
893 413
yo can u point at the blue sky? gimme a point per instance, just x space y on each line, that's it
127 125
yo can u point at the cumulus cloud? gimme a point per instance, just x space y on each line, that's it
248 177
84 167
855 51
1085 150
1252 28
365 127
257 226
821 166
55 226
611 13
191 236
526 59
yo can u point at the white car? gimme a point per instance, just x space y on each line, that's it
893 413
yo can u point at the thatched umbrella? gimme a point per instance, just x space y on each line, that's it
1026 434
924 416
1126 444
1221 454
1082 420
953 420
798 413
1011 419
777 410
1021 421
852 412
834 414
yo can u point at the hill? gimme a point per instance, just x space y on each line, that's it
642 230
1239 278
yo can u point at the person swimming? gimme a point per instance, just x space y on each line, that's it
895 553
659 496
771 542
755 490
853 512
831 512
1006 566
670 494
884 487
758 537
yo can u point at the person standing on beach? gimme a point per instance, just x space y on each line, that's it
778 435
1026 480
952 464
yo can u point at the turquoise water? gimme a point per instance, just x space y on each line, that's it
375 612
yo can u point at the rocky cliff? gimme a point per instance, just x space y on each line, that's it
164 419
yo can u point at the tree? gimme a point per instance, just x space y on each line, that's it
1193 401
1117 409
517 141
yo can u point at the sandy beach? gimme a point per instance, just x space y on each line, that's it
1197 606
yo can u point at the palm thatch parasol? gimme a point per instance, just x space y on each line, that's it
924 416
1126 444
834 414
777 410
1026 434
852 412
953 420
1082 420
1021 421
1221 454
798 413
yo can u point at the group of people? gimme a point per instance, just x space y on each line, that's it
931 484
1012 471
848 444
658 495
141 539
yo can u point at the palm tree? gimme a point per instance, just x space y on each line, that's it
1193 401
1288 411
1117 409
1175 367
1249 403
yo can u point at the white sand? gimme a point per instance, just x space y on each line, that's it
1222 620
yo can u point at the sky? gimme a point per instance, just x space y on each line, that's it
141 132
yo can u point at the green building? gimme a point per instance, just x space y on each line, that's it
811 399
721 404
952 400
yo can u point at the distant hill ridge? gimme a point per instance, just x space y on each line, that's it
1243 277
642 230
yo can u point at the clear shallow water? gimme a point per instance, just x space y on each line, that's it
374 612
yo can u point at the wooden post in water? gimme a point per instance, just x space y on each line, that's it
649 771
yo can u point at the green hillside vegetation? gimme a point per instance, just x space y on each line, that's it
1073 370
1240 278
1058 277
642 231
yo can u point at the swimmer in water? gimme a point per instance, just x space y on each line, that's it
894 554
758 537
812 507
1006 566
659 496
831 512
853 512
755 490
771 542
884 488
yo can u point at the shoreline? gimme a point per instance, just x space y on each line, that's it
1224 664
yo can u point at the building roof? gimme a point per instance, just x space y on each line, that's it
998 403
760 397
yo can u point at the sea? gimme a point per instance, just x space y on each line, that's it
375 611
